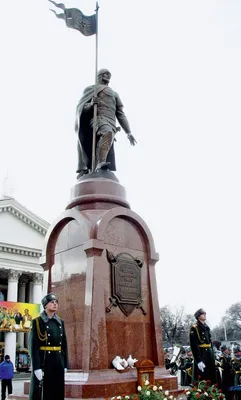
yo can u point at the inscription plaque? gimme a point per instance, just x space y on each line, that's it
125 282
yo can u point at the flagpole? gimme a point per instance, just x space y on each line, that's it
95 92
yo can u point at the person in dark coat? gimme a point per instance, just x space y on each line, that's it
235 388
109 108
49 354
202 350
167 358
6 375
186 364
227 378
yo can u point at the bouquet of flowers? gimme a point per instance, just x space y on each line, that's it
204 391
148 392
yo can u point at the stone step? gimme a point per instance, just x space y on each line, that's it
176 393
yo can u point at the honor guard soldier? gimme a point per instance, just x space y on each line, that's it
227 378
186 364
236 365
202 350
48 350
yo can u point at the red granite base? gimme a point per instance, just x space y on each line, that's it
108 383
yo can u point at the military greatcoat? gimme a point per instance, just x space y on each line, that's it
48 350
202 350
228 374
236 386
186 365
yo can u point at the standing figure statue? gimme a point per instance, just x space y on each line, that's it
109 108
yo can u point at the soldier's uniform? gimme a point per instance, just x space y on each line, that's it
227 378
186 365
236 365
202 350
48 350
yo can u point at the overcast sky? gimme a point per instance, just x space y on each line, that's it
176 65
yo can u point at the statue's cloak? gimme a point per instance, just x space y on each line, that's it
84 129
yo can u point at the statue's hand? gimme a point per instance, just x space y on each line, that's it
131 139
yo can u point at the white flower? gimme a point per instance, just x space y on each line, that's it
112 398
199 390
154 388
139 388
148 393
166 392
160 388
146 384
171 397
187 393
118 397
165 398
206 394
127 397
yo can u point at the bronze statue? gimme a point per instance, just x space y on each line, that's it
109 108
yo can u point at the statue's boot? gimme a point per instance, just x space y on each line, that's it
82 167
82 172
102 150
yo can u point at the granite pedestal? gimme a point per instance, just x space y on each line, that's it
99 258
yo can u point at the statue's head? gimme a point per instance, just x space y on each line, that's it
104 76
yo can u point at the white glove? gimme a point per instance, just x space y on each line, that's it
39 374
201 366
65 370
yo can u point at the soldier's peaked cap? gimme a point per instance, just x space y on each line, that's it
49 297
103 71
199 312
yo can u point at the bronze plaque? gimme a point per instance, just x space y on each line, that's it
125 282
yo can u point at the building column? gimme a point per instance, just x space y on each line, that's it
37 288
21 299
30 292
10 337
37 291
22 292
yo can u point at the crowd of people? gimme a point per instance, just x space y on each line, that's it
206 360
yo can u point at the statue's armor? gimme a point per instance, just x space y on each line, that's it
109 108
107 104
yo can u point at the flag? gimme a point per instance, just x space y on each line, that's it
74 18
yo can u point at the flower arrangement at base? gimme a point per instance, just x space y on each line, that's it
147 392
204 391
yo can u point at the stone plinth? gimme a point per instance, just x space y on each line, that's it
98 221
102 384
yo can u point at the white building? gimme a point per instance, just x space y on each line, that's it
21 277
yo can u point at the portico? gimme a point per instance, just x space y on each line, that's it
21 277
